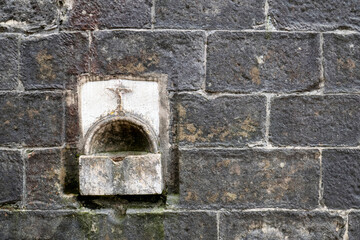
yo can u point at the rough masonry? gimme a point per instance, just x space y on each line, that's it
264 117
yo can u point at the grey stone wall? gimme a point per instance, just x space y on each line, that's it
265 111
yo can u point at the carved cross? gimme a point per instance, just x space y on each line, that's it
118 92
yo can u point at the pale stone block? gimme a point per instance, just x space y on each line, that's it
121 175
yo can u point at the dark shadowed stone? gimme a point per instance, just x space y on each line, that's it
281 225
11 177
342 62
314 14
145 226
262 61
157 224
354 223
53 61
70 156
180 55
190 225
43 179
221 121
172 171
52 225
341 178
28 16
209 14
102 14
72 117
249 178
331 120
9 62
31 119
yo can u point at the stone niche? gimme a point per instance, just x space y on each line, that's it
124 124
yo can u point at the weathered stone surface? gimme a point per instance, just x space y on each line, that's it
9 61
190 225
331 120
28 16
126 175
52 225
172 171
53 61
147 225
314 15
354 223
11 176
262 61
70 155
43 179
249 178
100 14
179 55
209 14
157 224
221 121
72 117
341 178
281 225
342 62
31 119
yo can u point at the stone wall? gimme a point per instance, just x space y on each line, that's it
265 111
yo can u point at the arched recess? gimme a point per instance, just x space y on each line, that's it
120 134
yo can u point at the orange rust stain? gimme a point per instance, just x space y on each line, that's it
191 196
255 75
32 113
46 68
348 64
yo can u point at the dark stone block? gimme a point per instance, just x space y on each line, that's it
190 225
342 62
249 178
341 178
314 14
354 223
172 171
70 156
209 14
331 120
72 117
102 14
31 119
222 121
11 177
28 16
9 62
43 179
146 226
180 55
281 225
52 225
54 61
269 62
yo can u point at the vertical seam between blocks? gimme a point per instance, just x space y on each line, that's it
218 224
321 187
152 10
90 51
20 86
23 203
203 84
266 13
322 74
267 119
